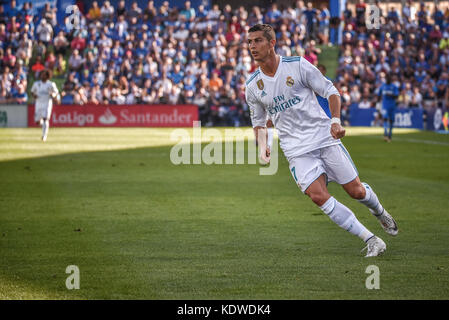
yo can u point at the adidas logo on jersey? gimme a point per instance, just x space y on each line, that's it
263 94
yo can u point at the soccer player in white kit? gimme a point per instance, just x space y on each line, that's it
284 89
44 91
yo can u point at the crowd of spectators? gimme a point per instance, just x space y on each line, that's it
164 55
16 45
413 49
170 55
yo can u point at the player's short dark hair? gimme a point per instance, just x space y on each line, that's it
46 72
268 30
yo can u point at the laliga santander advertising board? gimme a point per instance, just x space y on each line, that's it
120 115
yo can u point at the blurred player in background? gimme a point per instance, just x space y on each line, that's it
44 91
388 92
284 89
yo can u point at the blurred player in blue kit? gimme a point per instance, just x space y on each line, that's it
389 93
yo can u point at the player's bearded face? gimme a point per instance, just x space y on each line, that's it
259 46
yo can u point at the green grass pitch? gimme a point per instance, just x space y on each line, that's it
139 227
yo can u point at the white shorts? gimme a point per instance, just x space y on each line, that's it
334 161
42 111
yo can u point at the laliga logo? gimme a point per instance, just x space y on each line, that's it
73 118
107 118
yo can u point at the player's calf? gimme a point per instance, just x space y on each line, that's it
336 211
375 207
345 218
370 200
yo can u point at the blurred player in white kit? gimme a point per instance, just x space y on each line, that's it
44 91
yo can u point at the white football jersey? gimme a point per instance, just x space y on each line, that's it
289 100
45 92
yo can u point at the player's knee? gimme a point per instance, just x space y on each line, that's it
319 198
357 192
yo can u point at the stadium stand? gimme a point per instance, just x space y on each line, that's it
149 55
413 48
180 55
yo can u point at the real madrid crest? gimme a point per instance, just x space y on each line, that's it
290 81
260 84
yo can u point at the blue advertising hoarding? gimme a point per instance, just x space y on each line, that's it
404 118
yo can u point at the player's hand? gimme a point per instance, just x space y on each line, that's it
265 156
337 131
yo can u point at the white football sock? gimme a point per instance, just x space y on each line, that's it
270 137
45 127
345 218
371 200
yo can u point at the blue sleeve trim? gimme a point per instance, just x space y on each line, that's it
252 77
291 59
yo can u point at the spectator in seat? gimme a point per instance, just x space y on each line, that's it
44 32
360 11
417 99
69 85
365 103
78 43
60 43
94 12
75 61
188 12
80 95
311 57
121 9
107 11
150 12
37 67
215 82
444 43
20 96
60 67
50 62
135 11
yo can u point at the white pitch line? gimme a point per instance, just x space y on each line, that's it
417 141
424 141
